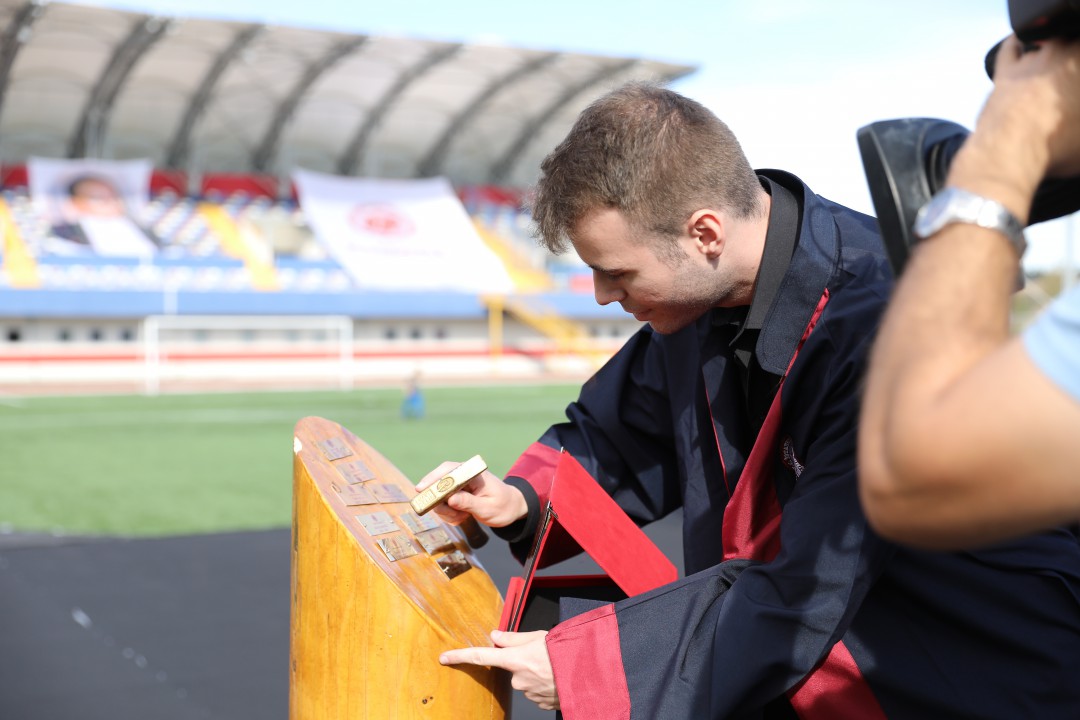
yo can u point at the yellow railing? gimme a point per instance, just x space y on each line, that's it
241 244
525 277
570 337
18 264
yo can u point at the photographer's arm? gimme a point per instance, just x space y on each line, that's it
963 439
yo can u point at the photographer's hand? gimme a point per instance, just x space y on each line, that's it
962 439
1029 128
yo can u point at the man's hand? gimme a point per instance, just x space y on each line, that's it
524 655
1028 128
486 498
963 441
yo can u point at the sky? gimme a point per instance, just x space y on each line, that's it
794 79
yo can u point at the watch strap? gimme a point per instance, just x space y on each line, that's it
956 205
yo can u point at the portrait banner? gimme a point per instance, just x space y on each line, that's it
93 205
400 234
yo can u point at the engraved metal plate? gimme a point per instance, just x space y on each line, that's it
397 547
377 523
356 495
356 471
450 483
418 524
388 493
454 564
435 540
334 448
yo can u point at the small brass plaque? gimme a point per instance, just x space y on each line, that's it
435 540
388 493
418 524
334 448
378 523
448 484
356 495
356 472
454 564
397 547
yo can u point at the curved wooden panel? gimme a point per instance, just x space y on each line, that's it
378 592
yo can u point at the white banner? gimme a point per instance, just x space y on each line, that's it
93 204
400 234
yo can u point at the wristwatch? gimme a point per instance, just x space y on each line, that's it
955 205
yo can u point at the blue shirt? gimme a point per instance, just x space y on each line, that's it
1053 342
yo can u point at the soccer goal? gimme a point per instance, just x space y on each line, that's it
258 340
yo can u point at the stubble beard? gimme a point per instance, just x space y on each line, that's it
695 294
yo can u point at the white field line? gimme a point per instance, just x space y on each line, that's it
128 418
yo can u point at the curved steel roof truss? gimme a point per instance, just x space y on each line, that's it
70 73
500 170
14 38
90 131
180 146
352 156
266 152
433 161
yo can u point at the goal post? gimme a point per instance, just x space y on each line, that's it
338 329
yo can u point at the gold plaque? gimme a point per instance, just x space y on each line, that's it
377 523
356 495
435 540
356 472
418 524
334 448
448 484
397 547
454 564
387 493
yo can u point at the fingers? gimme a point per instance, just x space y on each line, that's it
542 700
512 639
445 510
450 515
530 667
485 497
497 656
463 500
492 657
435 475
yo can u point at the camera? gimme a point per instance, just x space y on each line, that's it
906 161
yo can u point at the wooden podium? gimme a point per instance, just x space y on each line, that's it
378 592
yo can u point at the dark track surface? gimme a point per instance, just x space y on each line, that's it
170 629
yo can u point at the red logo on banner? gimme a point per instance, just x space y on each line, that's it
381 220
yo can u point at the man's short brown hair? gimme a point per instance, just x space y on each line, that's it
649 152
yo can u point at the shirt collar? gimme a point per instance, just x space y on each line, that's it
780 241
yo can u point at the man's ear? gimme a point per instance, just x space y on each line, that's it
706 228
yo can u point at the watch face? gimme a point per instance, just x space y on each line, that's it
931 217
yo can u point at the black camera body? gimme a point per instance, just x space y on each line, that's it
1034 20
906 161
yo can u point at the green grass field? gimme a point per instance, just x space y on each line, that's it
175 464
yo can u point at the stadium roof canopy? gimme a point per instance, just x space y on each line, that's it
213 96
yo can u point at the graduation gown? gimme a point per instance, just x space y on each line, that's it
790 604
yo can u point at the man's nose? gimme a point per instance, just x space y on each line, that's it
605 289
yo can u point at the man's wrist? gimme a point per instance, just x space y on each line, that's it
954 205
982 168
525 526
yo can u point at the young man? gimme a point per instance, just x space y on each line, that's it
739 404
969 434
